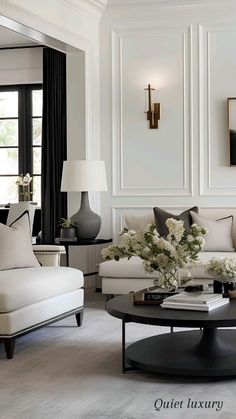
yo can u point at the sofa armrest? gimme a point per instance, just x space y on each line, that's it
48 255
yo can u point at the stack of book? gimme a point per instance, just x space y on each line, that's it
195 301
151 297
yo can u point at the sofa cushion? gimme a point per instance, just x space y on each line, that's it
133 267
161 216
211 213
219 236
23 287
124 268
216 213
138 222
15 244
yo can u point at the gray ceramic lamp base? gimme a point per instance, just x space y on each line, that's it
88 222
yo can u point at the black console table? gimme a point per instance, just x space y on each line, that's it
207 352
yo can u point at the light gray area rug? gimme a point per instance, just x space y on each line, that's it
64 371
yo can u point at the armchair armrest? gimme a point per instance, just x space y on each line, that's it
48 255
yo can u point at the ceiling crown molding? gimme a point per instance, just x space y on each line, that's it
87 6
102 4
163 3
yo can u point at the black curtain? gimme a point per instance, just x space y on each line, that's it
54 144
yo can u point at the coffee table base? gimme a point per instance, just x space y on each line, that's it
207 353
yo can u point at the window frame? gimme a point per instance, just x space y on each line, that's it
25 127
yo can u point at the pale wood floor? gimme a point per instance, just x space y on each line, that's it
63 371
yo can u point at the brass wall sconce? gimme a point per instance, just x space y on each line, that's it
153 115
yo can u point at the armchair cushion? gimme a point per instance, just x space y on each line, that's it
25 287
16 246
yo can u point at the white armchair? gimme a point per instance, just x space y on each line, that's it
31 298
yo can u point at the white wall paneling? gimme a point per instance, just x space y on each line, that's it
217 68
142 157
187 51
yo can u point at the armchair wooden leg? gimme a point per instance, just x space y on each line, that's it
79 317
9 345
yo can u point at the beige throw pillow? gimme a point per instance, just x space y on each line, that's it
137 223
16 249
219 237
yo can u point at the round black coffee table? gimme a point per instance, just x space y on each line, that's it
207 352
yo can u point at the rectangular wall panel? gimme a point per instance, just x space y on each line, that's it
217 69
147 161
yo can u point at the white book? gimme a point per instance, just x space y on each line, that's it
198 298
197 307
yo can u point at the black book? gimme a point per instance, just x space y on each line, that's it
158 296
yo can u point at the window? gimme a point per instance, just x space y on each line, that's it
20 139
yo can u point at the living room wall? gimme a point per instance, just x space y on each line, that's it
186 50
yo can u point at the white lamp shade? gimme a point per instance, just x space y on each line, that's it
83 175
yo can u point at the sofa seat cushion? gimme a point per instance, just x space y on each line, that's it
133 267
26 286
124 268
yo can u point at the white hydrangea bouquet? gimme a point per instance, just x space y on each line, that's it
223 270
169 257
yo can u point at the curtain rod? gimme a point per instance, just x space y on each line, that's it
22 47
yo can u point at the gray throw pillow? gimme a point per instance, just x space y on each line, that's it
161 216
219 236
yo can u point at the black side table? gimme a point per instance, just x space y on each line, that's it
69 242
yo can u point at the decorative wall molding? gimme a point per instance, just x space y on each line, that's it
90 7
206 186
118 187
165 3
19 16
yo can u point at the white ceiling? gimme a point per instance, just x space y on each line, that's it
10 39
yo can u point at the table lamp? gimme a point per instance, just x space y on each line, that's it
84 176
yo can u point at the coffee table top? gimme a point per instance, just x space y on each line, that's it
123 308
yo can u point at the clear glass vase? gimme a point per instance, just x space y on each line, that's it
172 280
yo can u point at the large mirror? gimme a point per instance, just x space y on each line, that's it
231 105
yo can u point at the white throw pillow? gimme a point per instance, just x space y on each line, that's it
15 244
137 223
219 237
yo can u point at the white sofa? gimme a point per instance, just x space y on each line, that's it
34 297
128 275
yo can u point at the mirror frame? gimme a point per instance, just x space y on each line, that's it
231 132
